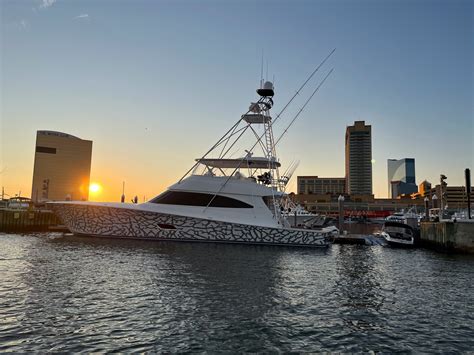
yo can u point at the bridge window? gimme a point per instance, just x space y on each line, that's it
198 199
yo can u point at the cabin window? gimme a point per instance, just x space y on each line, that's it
198 199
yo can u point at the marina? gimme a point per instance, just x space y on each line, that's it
227 177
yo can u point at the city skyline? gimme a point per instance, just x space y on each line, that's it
152 93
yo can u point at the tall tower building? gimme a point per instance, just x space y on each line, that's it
401 177
62 167
359 158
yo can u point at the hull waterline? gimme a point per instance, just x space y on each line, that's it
396 242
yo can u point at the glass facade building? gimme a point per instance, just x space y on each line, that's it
401 177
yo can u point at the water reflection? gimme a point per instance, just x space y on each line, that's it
181 289
73 294
358 289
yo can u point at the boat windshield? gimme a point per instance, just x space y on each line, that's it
183 198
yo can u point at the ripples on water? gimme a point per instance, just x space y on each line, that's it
73 294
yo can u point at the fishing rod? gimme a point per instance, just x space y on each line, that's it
276 118
271 125
287 104
302 108
302 86
225 138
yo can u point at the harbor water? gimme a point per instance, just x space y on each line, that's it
69 294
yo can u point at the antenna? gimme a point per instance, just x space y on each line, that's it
261 72
302 108
266 75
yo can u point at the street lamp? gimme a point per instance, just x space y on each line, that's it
340 203
435 203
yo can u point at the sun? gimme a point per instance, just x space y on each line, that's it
94 188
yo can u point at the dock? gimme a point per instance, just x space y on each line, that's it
23 221
449 236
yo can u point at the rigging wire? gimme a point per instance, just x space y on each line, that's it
271 124
302 86
302 108
223 138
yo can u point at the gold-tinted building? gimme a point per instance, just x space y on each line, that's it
62 167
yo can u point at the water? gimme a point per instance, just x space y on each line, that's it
74 294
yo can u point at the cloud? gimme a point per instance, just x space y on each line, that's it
47 3
82 16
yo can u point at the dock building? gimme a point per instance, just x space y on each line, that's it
359 159
61 167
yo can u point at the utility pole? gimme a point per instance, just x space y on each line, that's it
340 201
467 175
442 186
427 212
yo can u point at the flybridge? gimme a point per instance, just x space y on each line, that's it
256 119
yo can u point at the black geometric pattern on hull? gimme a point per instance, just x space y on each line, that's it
128 223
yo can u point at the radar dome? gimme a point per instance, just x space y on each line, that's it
266 90
268 85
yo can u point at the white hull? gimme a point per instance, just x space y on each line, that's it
107 221
397 241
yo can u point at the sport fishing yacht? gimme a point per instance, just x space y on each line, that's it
220 199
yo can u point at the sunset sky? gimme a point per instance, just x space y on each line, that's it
154 83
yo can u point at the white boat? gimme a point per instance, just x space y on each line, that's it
398 234
298 215
410 218
220 199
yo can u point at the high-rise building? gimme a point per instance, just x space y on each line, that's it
401 177
319 186
359 159
62 167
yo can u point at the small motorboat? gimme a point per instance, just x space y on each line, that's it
398 234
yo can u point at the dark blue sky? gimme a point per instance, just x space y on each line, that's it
168 77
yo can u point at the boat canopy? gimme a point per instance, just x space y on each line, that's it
250 162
